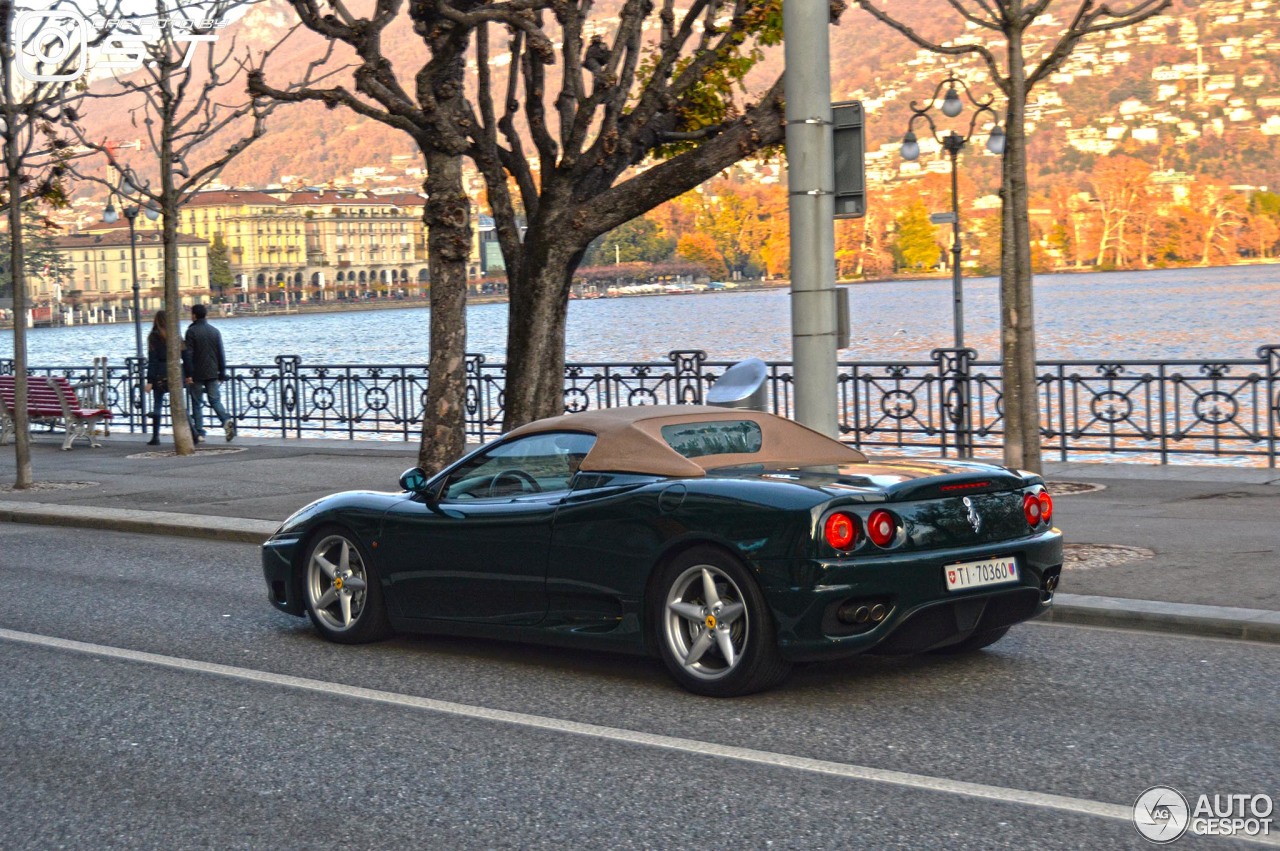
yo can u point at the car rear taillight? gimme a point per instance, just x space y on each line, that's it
882 528
1046 506
1031 508
841 531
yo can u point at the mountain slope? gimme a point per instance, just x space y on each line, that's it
1111 91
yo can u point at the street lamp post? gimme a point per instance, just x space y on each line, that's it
953 143
130 211
131 214
125 190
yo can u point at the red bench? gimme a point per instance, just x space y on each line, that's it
52 401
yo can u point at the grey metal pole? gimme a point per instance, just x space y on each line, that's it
131 213
811 184
957 284
963 447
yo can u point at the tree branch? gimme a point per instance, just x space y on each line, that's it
981 51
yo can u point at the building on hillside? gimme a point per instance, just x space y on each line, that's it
315 244
362 244
266 241
98 283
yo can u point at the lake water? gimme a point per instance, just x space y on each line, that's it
1167 314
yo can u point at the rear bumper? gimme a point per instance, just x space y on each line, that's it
920 613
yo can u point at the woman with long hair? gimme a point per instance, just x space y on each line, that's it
158 373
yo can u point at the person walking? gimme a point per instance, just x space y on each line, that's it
158 373
208 370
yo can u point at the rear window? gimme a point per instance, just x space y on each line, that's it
722 437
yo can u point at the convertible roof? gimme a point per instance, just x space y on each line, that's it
630 440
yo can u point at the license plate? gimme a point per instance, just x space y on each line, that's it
976 574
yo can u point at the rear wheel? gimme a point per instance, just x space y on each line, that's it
714 629
344 599
977 641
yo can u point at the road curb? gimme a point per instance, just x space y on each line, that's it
1159 616
236 529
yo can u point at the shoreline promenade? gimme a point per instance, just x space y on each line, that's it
1174 548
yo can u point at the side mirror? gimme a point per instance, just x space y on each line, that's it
414 480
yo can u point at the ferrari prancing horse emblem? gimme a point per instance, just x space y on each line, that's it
974 520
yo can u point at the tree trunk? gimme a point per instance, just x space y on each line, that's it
1144 246
17 263
183 441
448 219
537 311
1210 234
1017 338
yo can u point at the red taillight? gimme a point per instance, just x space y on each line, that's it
1031 508
882 528
1046 506
841 531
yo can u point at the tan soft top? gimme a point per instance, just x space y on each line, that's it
630 440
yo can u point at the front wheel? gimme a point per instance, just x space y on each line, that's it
344 599
714 629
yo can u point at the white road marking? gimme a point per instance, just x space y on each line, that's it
1061 803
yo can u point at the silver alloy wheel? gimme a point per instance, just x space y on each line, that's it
337 586
705 622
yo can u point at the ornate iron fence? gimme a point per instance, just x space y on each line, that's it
950 404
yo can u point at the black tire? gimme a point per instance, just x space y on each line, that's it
341 589
731 641
975 642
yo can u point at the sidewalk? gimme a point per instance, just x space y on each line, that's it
1178 548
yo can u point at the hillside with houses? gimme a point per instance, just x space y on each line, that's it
1154 145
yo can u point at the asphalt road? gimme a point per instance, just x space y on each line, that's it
153 699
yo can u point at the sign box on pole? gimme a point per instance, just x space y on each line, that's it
849 144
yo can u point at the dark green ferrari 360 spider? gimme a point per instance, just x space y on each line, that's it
731 543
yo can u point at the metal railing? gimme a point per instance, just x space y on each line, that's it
949 405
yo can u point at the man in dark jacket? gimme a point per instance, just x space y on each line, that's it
208 370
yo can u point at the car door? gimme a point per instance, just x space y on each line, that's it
606 534
477 550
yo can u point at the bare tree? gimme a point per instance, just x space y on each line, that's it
187 90
43 57
1216 217
625 99
429 105
1020 69
1120 186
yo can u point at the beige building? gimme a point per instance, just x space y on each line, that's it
315 245
361 243
265 239
99 277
